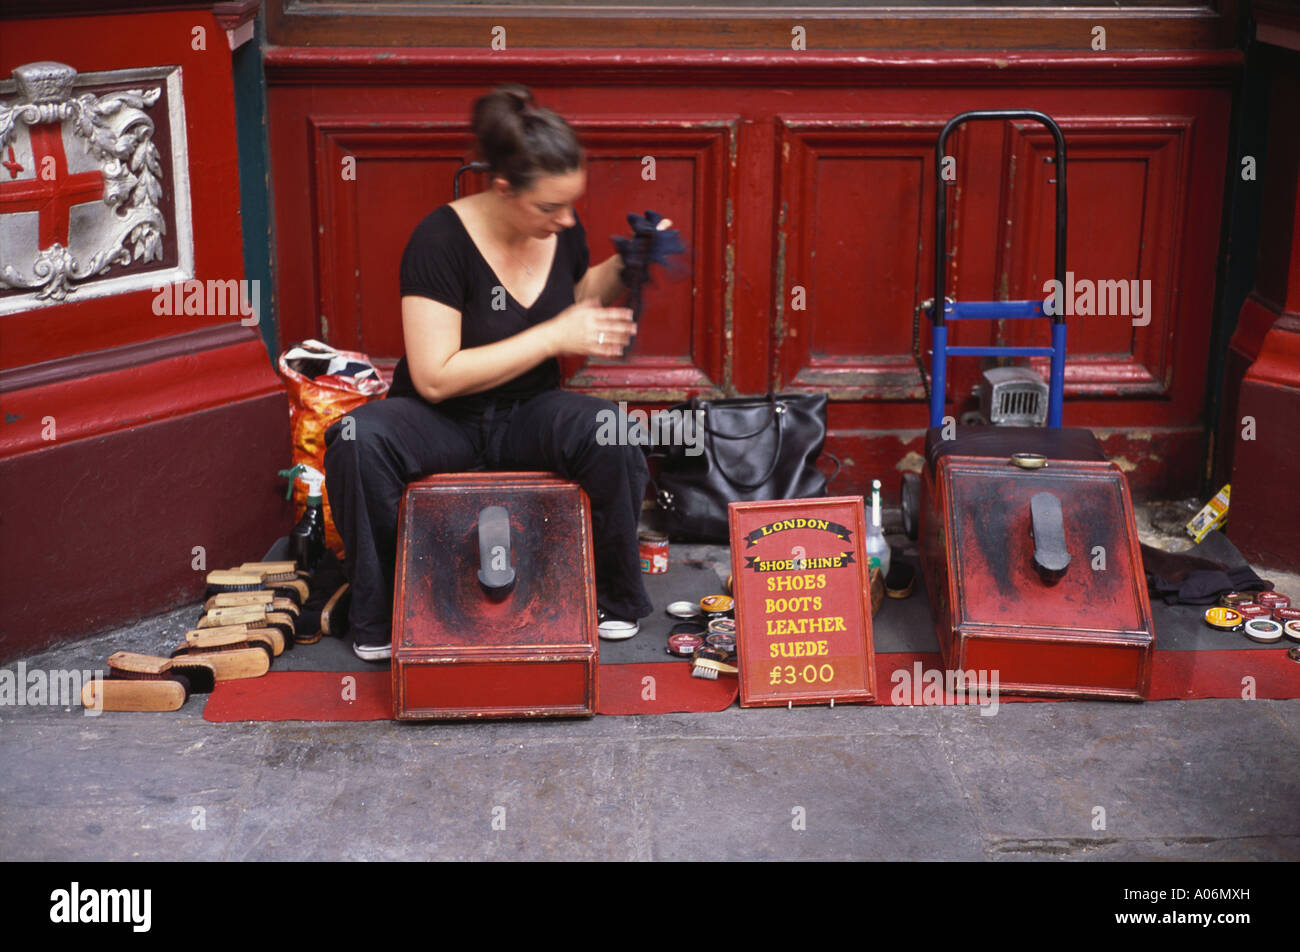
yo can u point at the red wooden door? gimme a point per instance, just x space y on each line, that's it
803 186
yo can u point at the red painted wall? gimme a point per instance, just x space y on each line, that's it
90 44
167 431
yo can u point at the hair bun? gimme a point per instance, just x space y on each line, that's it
521 140
519 96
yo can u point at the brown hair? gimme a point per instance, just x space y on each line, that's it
521 141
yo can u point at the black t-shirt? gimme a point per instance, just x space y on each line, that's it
442 262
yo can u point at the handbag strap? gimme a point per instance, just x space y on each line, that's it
771 399
777 414
838 466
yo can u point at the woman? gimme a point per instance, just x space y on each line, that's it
489 284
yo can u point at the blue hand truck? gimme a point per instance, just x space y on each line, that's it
993 310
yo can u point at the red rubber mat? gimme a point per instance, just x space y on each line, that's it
654 688
367 695
624 688
304 696
902 678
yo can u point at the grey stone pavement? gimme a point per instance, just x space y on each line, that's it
1177 780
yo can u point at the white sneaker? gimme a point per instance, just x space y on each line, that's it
373 652
615 629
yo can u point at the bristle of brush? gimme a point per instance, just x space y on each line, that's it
120 675
220 589
202 679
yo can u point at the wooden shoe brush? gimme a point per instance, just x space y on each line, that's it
230 580
277 576
709 662
287 569
233 655
138 682
268 638
255 616
263 597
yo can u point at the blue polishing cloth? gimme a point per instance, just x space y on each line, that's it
648 244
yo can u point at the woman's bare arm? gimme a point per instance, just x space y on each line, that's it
603 281
440 369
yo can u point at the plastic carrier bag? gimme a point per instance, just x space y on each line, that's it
324 384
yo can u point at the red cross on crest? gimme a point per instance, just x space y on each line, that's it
52 197
67 223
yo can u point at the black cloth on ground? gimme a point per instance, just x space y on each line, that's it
1188 578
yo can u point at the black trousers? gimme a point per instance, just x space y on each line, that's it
400 439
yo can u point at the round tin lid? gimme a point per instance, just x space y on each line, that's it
1273 599
684 644
683 610
1291 630
1233 599
716 604
1224 619
722 626
1264 630
723 641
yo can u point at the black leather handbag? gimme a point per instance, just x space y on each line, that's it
748 448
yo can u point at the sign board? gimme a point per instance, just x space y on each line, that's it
803 607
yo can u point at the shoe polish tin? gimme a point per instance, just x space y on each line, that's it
722 626
1264 630
1271 600
1224 619
684 644
683 610
713 605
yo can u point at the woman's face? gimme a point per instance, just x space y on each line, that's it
547 207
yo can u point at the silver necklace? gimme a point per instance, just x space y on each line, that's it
512 254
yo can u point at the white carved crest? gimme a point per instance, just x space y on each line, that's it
82 184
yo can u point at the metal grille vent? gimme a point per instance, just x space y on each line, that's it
1013 396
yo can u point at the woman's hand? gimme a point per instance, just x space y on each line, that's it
590 330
